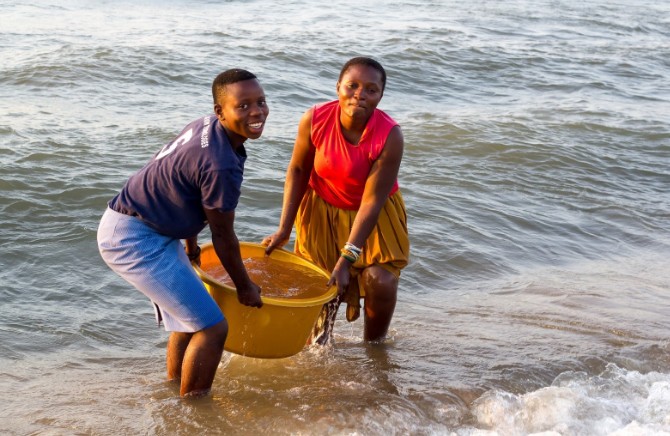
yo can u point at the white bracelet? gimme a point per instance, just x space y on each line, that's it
351 247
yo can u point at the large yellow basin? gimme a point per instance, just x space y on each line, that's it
278 329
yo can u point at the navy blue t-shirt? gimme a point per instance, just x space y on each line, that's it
199 169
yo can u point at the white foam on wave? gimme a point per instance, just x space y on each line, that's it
615 402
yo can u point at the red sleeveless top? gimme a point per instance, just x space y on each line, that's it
341 168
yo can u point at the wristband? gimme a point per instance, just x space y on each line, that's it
195 255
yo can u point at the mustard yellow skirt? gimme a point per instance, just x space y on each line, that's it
323 229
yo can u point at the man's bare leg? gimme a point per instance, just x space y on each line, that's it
199 354
176 348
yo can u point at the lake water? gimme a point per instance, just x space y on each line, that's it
536 174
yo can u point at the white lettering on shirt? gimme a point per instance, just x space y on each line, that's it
204 138
169 148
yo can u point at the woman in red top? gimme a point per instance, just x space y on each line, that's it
341 191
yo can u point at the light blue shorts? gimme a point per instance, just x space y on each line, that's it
157 265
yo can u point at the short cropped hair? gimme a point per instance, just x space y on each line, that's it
228 77
369 62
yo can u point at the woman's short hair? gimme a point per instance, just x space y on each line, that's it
362 60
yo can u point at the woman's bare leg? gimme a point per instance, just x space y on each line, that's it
381 293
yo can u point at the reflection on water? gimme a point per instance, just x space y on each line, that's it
275 277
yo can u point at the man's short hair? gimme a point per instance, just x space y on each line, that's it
228 77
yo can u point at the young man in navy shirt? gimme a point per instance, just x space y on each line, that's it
191 182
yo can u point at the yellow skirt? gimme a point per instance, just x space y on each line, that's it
323 229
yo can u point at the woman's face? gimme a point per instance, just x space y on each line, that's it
360 91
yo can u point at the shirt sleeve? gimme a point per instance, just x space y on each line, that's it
220 189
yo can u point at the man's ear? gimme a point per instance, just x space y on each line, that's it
218 110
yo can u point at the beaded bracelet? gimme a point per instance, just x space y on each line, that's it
350 256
